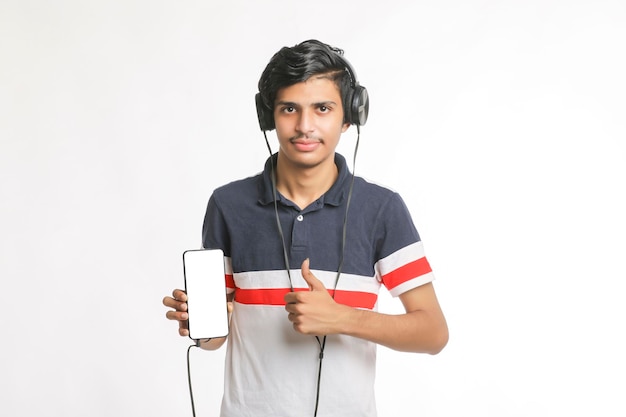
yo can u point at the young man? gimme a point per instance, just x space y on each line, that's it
347 237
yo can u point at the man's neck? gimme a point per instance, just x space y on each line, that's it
304 185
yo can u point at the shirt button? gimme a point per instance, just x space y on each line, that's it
300 218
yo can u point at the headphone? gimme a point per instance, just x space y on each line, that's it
356 107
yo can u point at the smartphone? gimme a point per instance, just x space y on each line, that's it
206 293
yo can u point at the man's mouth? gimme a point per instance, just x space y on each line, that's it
306 144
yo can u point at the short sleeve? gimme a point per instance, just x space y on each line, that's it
402 264
214 229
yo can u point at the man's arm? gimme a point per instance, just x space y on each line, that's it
422 328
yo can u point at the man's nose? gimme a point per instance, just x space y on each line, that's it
306 121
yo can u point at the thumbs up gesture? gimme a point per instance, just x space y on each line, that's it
314 312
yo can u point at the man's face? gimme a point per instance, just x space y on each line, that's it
309 121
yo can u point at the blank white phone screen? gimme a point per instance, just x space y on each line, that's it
206 293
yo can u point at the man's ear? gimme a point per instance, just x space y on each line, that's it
345 127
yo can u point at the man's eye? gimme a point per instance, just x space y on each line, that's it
289 109
323 109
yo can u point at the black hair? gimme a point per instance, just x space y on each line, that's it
292 65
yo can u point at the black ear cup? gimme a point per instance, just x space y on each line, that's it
359 106
266 118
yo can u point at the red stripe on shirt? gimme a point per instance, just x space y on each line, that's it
230 281
276 297
406 272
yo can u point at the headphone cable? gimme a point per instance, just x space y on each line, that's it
322 342
193 407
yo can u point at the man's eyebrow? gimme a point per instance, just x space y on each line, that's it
317 104
286 103
325 103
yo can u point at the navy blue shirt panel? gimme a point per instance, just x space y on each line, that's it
241 220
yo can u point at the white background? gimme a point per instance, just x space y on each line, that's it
500 123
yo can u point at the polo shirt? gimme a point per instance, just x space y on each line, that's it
270 369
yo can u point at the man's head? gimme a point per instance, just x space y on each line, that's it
292 65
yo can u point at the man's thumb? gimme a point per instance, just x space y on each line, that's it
314 283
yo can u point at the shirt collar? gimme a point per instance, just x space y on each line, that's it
334 196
